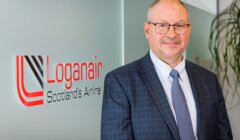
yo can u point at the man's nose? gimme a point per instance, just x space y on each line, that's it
171 32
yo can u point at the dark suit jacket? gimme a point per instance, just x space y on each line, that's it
135 106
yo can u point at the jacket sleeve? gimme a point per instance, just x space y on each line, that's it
116 118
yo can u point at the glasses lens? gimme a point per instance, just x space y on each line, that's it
162 28
180 28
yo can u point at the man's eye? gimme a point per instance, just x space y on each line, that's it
179 25
163 25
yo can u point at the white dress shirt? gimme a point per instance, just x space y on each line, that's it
163 70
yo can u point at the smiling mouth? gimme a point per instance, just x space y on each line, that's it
171 43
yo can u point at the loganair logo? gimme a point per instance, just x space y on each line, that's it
59 73
25 95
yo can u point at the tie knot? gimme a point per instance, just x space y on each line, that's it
174 74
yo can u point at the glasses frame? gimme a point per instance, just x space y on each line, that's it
174 27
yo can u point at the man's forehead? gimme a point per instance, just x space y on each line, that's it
169 8
169 5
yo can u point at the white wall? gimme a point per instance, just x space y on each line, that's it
68 31
223 4
201 24
135 14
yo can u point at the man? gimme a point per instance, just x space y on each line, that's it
145 101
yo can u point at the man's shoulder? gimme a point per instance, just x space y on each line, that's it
131 68
198 69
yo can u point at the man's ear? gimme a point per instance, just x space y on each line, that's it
190 28
146 29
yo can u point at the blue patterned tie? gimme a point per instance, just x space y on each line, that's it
180 105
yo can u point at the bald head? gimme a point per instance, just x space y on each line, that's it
164 1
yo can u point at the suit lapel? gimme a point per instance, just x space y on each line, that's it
193 78
151 80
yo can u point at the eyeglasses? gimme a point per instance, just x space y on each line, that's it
162 28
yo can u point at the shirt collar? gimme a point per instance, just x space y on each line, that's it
164 69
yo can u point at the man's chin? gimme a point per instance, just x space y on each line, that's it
171 54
